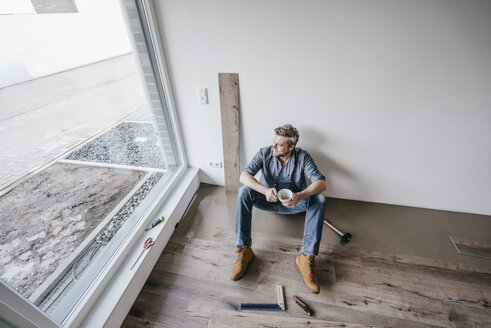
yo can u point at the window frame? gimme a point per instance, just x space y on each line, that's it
17 310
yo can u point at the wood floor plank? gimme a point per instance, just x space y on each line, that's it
470 279
255 320
190 285
166 309
133 322
203 299
203 257
346 252
402 282
211 261
402 263
407 305
473 295
229 112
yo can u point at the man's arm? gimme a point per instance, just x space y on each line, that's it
251 182
314 189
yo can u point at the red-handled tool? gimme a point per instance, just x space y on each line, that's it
147 245
304 306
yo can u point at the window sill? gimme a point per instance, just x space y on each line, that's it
111 306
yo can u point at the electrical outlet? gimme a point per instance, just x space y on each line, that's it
203 96
216 165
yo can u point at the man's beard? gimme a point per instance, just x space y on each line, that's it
280 154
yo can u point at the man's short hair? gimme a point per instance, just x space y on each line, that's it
288 131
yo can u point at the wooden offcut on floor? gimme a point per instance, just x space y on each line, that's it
472 247
190 287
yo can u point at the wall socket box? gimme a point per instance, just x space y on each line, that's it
203 96
216 165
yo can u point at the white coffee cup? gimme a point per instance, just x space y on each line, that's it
285 195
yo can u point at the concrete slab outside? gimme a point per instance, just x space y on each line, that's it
43 119
45 218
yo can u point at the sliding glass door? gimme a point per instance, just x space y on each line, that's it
88 142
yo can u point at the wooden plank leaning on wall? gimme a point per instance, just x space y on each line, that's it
229 111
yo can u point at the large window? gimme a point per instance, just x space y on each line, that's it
87 142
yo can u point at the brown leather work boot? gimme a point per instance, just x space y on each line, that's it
305 264
244 257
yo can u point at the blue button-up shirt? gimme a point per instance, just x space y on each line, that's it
301 166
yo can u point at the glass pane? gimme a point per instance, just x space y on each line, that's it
86 143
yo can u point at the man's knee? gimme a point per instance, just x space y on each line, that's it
319 199
244 192
318 206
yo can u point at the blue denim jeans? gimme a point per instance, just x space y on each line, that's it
314 207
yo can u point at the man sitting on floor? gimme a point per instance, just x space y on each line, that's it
283 167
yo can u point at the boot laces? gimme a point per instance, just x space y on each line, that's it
311 264
241 254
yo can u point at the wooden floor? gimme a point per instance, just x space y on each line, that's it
190 287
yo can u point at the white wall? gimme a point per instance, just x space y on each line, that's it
12 7
392 98
35 45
